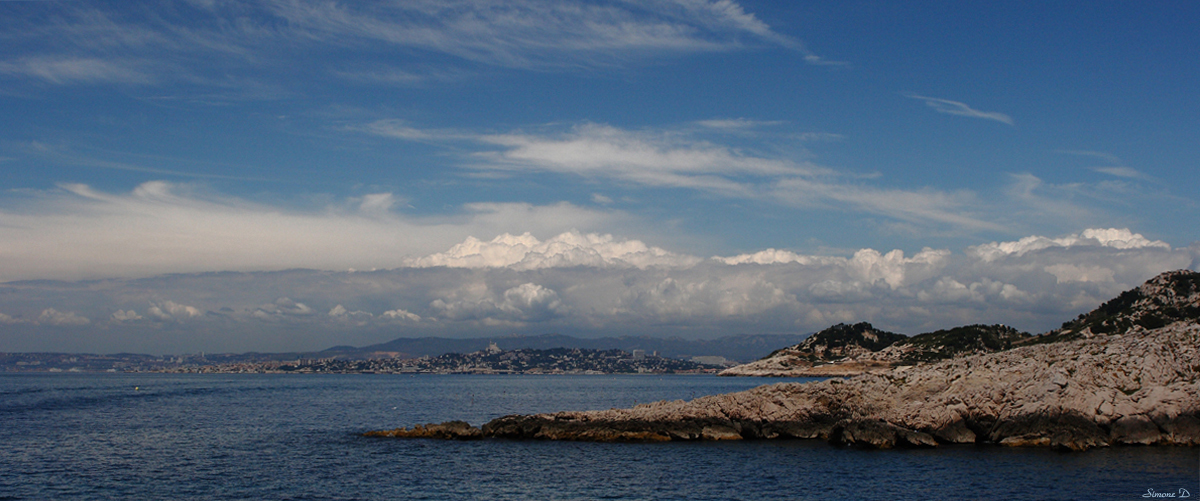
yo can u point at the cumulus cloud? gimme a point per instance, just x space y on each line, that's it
866 265
51 316
402 315
525 252
1116 238
170 310
477 302
282 308
125 316
340 311
340 314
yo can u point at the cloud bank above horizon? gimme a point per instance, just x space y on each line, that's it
588 283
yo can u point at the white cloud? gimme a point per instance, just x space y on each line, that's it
77 232
774 256
1064 272
869 265
866 265
170 310
494 287
961 109
736 124
401 314
377 203
525 252
282 308
9 320
644 158
340 311
51 316
125 316
1117 238
678 159
948 290
476 302
1115 167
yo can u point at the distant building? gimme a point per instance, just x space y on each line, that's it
639 354
493 348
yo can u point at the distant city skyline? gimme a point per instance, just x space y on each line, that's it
291 175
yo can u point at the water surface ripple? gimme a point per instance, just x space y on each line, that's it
297 437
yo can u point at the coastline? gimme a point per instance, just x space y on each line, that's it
1135 388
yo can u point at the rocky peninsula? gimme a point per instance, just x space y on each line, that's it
1126 373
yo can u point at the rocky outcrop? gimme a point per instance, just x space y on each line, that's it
450 430
841 350
1139 386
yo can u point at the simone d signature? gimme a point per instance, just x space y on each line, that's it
1181 493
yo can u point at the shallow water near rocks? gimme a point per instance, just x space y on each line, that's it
159 436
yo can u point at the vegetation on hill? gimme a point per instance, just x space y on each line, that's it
1168 298
950 343
841 340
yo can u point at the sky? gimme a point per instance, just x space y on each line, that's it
278 175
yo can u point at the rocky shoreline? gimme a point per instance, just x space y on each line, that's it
1136 386
1074 395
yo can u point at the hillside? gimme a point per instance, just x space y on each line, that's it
1170 297
845 350
951 343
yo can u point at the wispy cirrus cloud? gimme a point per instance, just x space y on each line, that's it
680 159
76 70
540 34
1115 168
960 209
214 43
649 158
961 109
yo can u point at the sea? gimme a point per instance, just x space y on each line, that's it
299 437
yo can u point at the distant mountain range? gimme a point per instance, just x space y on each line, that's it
735 348
739 348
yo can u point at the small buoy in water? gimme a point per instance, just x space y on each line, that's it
135 388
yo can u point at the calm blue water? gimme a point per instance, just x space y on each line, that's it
93 436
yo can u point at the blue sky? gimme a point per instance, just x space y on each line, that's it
760 159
